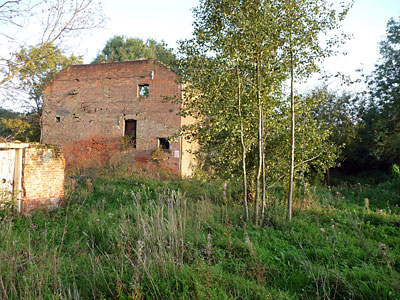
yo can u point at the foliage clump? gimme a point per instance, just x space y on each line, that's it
121 48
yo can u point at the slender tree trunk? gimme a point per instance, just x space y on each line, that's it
245 204
263 165
292 144
41 128
259 166
303 180
328 177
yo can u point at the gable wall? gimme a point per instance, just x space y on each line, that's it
93 101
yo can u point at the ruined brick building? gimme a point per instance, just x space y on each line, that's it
124 101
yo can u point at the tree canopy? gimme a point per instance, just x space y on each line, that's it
234 72
121 48
383 106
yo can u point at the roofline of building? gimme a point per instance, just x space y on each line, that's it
123 62
108 64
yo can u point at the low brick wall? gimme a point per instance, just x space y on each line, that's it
42 177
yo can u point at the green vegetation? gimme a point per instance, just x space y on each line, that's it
120 235
120 48
123 236
19 126
380 111
235 72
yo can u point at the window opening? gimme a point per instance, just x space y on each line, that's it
144 90
163 143
130 133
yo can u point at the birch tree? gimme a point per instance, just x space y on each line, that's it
233 38
304 22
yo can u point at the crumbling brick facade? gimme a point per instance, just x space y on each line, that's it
122 103
42 177
31 175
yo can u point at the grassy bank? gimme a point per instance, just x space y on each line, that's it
129 237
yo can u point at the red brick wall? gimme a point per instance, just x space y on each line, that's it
92 101
42 177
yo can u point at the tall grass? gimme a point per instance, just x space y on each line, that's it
124 236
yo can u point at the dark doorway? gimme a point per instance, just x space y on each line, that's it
163 143
130 132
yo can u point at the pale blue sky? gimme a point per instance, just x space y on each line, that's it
367 22
167 20
172 20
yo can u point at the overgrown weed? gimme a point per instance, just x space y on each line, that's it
134 237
